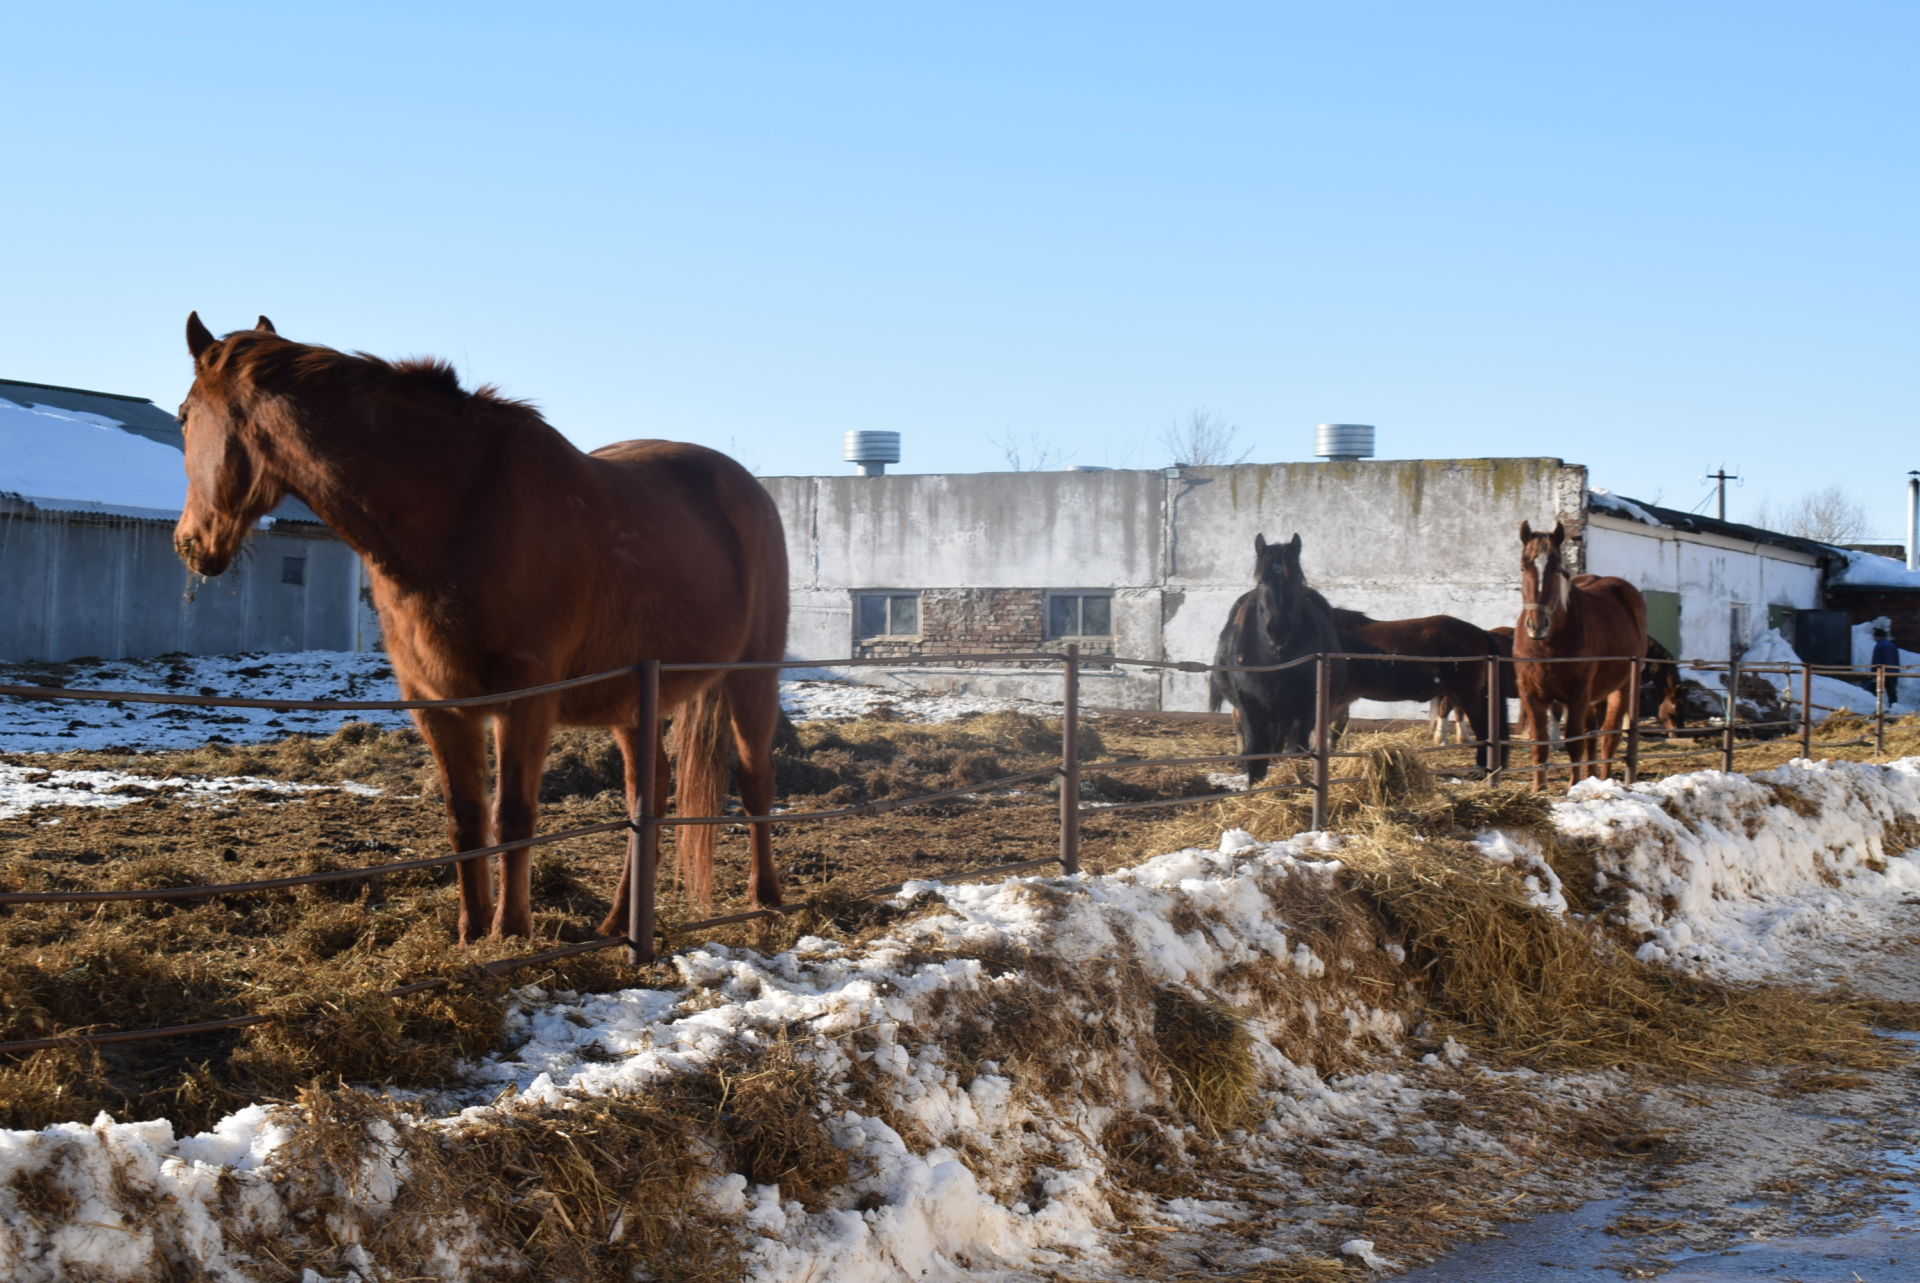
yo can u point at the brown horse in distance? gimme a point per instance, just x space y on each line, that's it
1584 620
1459 685
501 558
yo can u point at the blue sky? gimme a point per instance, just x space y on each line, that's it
1653 239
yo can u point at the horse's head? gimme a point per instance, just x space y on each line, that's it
230 481
1544 581
1280 586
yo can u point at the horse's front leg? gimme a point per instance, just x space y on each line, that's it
1533 716
1581 751
458 742
521 734
1254 738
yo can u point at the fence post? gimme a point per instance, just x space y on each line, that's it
1496 719
1806 711
1633 721
1729 716
1070 763
1880 709
1322 735
643 843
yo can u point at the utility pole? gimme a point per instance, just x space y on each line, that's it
1720 490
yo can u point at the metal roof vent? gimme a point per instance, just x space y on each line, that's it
873 451
1343 442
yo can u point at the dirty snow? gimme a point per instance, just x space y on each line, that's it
26 788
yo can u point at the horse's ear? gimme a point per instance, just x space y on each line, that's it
1526 532
266 326
199 337
1293 544
1559 533
1259 544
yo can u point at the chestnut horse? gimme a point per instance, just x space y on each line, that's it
1279 620
1443 685
501 558
1593 622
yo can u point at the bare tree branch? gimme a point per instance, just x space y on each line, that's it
1828 515
1203 440
1033 455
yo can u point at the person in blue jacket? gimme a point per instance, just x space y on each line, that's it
1887 655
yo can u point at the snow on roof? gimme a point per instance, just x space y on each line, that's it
73 460
1607 501
1871 570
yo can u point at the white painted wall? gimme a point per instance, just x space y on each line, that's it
1709 571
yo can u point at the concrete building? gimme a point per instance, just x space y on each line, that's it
1146 564
91 484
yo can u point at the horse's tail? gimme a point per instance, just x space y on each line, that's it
701 741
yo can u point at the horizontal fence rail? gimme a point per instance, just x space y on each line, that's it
643 827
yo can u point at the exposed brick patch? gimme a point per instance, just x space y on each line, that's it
961 621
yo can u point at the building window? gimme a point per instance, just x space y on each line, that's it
1083 614
883 614
293 570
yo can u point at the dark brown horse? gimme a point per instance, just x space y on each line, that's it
1280 620
1456 685
501 558
1586 621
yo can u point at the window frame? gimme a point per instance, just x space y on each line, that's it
1079 597
890 596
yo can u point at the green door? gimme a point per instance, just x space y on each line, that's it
1663 618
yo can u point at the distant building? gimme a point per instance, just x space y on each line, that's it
91 484
1146 563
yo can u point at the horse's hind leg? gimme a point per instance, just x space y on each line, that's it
629 739
459 746
520 736
754 697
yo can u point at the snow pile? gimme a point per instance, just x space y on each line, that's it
1830 694
1010 1180
1742 876
50 454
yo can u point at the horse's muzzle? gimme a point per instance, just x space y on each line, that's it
198 558
1537 622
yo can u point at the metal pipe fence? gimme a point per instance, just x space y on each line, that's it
644 821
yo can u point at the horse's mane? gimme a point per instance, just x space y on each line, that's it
267 360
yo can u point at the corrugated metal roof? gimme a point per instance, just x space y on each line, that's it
135 414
